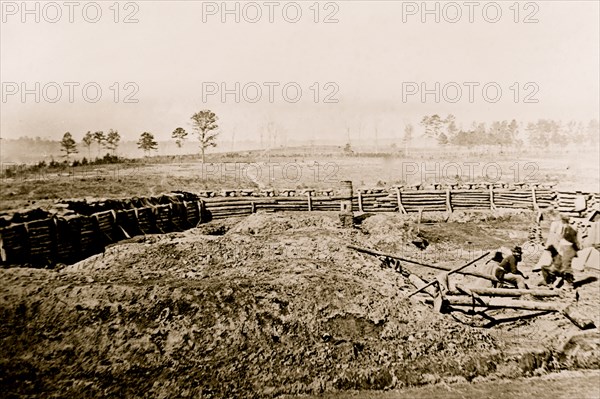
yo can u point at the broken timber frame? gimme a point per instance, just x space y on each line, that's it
473 298
439 267
455 270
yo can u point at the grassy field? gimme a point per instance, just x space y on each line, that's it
568 170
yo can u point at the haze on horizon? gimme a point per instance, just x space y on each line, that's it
367 56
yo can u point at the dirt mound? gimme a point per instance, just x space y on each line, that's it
276 304
279 223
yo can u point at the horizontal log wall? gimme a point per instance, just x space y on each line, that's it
90 227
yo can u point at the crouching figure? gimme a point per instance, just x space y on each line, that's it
557 270
507 270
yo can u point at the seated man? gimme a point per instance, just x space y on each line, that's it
507 270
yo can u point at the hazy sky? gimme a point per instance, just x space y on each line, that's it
374 53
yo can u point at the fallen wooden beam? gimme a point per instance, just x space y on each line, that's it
500 303
439 267
420 284
455 270
577 318
570 312
468 291
510 292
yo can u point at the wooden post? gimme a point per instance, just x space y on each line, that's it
511 292
448 200
534 199
399 198
346 215
492 205
360 203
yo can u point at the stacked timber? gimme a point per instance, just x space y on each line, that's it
41 237
595 203
573 203
326 202
42 241
162 218
472 199
428 200
545 197
192 209
90 240
219 207
291 203
14 244
127 222
145 218
106 226
375 200
514 198
68 239
179 216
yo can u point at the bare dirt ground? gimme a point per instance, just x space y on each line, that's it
267 305
564 385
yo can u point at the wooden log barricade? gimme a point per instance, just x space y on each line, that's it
127 222
574 203
42 241
107 226
145 217
39 237
162 218
90 240
68 239
14 242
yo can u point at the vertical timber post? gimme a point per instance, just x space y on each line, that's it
360 202
534 199
346 214
399 199
492 205
448 200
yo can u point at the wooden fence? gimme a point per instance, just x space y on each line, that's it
80 229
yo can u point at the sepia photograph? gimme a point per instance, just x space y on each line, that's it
376 199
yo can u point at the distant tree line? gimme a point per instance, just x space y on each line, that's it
540 134
445 131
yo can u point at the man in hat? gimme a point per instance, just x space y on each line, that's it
507 270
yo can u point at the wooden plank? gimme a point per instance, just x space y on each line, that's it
502 303
455 270
511 292
439 267
401 208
